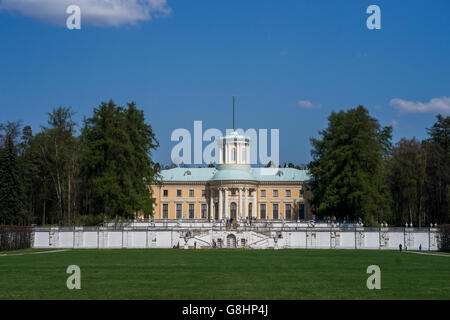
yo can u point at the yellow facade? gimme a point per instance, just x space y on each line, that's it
190 198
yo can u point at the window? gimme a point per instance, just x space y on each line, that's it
204 216
191 211
275 211
263 193
203 193
301 211
191 193
302 192
288 212
179 210
288 193
233 192
165 193
262 211
243 242
178 193
165 210
275 193
233 154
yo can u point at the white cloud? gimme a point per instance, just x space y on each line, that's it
436 105
306 104
93 12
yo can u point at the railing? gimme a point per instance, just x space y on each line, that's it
218 226
15 237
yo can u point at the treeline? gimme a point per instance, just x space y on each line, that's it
357 173
102 171
58 177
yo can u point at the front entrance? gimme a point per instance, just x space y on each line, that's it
233 210
231 241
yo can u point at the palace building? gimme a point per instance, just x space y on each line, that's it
233 191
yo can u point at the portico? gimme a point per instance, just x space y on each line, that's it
225 196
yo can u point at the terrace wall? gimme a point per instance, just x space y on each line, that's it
256 238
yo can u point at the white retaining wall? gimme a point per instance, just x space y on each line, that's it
311 238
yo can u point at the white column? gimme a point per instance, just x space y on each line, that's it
238 153
211 205
246 203
240 204
220 204
226 202
255 204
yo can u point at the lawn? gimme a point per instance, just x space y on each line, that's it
224 274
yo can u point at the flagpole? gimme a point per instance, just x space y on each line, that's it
233 112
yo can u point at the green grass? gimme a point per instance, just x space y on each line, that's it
224 274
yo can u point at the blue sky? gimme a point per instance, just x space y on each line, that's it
290 63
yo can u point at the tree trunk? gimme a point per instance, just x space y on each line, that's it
43 215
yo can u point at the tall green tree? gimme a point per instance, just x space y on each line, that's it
438 171
348 161
11 205
406 179
58 148
117 166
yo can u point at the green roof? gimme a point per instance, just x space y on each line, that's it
254 174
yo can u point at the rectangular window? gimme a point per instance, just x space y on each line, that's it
165 193
233 192
288 193
191 193
275 193
301 211
262 211
288 212
179 210
263 193
302 192
203 193
204 214
275 211
191 211
178 193
165 211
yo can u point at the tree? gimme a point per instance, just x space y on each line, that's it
437 191
347 165
406 179
58 146
11 206
116 146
